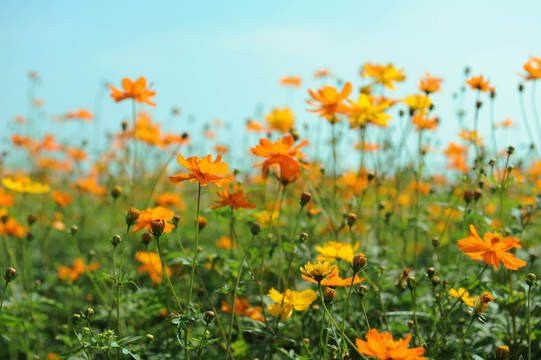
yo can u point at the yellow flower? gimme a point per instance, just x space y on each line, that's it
463 295
290 300
317 271
383 74
280 119
419 103
366 110
23 184
334 250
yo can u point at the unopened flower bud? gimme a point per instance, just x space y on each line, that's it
305 198
328 295
467 195
502 352
116 240
149 338
370 176
510 150
435 280
157 227
531 279
116 191
255 228
146 238
29 236
176 220
10 274
294 133
521 87
303 237
359 261
132 216
306 341
492 162
430 272
477 193
351 219
435 242
4 218
31 219
74 229
410 282
209 316
76 318
411 323
202 222
478 104
363 290
89 313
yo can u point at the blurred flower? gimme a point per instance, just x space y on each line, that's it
282 153
76 154
331 102
81 114
366 111
243 308
90 185
482 305
421 122
463 295
203 170
137 91
491 249
429 84
385 75
12 228
224 243
290 300
322 73
479 83
383 346
235 199
22 184
78 268
420 103
334 250
471 136
5 199
533 68
61 199
152 265
280 119
254 126
294 81
168 199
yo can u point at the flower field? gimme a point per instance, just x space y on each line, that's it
145 248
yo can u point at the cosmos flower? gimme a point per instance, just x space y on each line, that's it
385 75
133 90
203 170
283 153
152 265
23 184
290 300
383 346
235 199
492 249
463 295
243 308
331 102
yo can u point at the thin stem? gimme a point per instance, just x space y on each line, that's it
528 324
364 313
164 271
233 307
4 294
195 250
134 142
347 301
464 338
414 300
344 336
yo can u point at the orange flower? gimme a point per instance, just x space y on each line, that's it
235 199
282 153
331 101
168 200
492 249
383 346
334 279
151 265
471 136
77 154
91 185
157 213
479 83
243 308
224 243
137 91
62 199
12 228
254 126
533 68
222 149
204 170
5 199
421 122
81 114
322 73
429 84
78 268
505 123
294 81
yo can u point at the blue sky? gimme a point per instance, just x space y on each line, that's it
223 59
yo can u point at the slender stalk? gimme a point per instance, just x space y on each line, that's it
525 120
414 300
233 307
269 225
344 336
164 271
117 299
347 301
464 338
364 313
134 142
4 294
528 323
195 250
280 252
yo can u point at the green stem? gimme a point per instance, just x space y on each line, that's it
233 307
464 338
344 336
364 313
4 294
347 301
414 300
164 270
195 250
528 324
